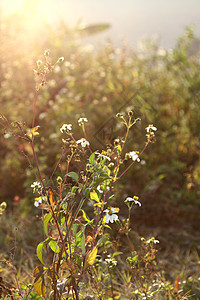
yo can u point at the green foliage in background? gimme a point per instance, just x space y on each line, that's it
156 84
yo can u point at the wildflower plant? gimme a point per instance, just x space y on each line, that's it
77 246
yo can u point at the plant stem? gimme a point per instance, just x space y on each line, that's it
34 107
37 165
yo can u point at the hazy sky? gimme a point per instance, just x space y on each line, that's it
130 19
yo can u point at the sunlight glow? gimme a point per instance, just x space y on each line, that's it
34 12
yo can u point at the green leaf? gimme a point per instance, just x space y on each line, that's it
54 246
92 158
73 175
74 188
82 243
39 271
105 174
94 196
117 253
85 216
75 228
102 240
116 170
80 239
119 148
47 218
87 193
40 287
92 256
39 251
100 180
79 262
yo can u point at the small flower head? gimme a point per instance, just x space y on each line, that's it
81 121
130 113
36 186
39 200
111 214
152 241
134 155
66 128
99 189
61 59
59 180
3 205
102 188
134 200
33 132
47 52
111 262
39 63
150 128
118 115
102 155
83 142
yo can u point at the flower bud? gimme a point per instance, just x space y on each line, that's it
39 63
47 52
59 180
3 205
130 113
61 59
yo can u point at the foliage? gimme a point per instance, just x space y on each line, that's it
69 252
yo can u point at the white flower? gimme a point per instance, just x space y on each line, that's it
99 189
134 199
153 240
156 241
82 120
105 188
83 142
66 127
111 261
111 214
134 155
36 186
150 127
103 156
38 201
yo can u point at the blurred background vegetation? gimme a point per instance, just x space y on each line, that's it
161 86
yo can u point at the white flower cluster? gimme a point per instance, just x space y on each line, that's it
66 128
83 142
134 199
134 155
111 214
102 156
149 128
36 186
153 240
111 261
81 121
